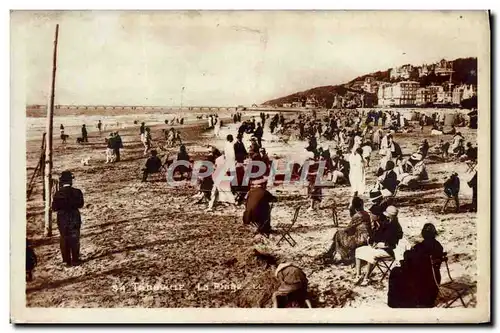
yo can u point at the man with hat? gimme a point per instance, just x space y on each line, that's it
384 240
292 291
66 202
388 181
239 149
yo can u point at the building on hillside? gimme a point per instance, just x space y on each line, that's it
297 104
470 91
311 103
287 105
370 85
445 94
402 72
462 92
405 92
434 90
424 97
443 68
399 93
384 94
424 70
368 100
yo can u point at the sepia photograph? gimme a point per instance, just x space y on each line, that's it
217 166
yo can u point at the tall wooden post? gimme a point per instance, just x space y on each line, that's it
48 146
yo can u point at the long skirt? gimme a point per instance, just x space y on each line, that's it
347 240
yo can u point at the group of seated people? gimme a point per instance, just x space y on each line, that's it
155 165
376 234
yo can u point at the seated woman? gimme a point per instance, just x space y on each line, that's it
206 184
381 245
346 241
470 153
340 173
153 165
383 162
414 283
387 181
258 208
414 174
182 169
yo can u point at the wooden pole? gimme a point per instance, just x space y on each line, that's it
48 146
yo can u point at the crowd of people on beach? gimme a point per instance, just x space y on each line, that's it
344 141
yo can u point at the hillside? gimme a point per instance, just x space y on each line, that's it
465 72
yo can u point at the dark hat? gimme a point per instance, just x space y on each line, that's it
429 231
66 176
154 152
389 165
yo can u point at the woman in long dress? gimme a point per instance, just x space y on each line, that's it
357 172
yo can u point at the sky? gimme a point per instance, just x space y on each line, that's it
226 58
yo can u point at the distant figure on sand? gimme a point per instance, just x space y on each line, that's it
146 140
110 151
84 134
118 144
99 127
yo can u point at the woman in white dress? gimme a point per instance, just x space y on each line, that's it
357 172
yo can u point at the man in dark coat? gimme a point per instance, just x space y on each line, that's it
258 209
66 202
117 145
240 151
142 129
153 165
84 134
259 132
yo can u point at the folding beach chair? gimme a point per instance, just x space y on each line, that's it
471 166
287 228
384 266
451 291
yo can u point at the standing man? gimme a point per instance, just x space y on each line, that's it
84 134
142 129
99 126
239 149
67 200
258 133
117 145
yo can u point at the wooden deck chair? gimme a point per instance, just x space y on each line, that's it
287 228
451 291
384 266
